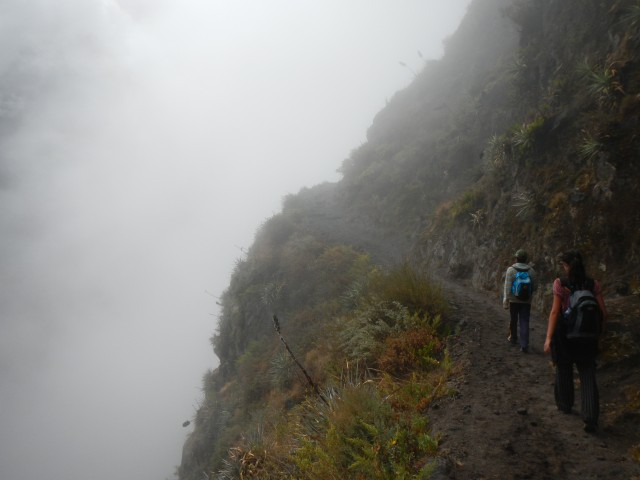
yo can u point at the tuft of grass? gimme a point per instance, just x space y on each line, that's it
632 16
523 202
271 293
411 288
281 371
394 302
477 218
518 67
601 82
526 135
362 333
498 151
590 147
416 349
263 454
360 435
352 297
469 202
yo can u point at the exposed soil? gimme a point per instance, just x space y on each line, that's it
503 422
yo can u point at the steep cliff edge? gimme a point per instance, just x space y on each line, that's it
526 134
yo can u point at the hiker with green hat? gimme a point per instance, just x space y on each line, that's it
519 283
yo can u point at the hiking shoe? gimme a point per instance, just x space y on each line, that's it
590 427
524 349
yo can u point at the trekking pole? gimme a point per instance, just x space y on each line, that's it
276 323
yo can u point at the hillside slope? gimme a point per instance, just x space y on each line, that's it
526 134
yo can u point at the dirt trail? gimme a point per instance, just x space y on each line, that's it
503 424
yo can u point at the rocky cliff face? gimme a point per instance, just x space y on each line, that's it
565 173
525 135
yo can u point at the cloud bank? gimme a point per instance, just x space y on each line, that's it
142 143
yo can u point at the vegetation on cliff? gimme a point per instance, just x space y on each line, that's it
525 133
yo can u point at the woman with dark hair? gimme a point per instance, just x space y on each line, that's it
566 353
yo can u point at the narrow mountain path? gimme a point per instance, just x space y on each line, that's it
503 423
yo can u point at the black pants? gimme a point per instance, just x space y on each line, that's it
519 316
584 357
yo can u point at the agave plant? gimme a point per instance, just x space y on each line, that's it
524 136
281 370
632 16
601 82
590 147
477 218
523 202
496 151
518 67
271 293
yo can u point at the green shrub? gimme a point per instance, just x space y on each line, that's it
282 370
590 147
409 351
601 82
363 333
391 303
526 135
263 454
469 202
251 367
523 202
411 288
632 17
359 435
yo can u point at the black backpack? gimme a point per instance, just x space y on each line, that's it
583 319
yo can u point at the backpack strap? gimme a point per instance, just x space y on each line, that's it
589 284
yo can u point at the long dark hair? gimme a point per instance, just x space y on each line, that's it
577 273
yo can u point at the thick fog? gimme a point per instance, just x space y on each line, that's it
142 143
